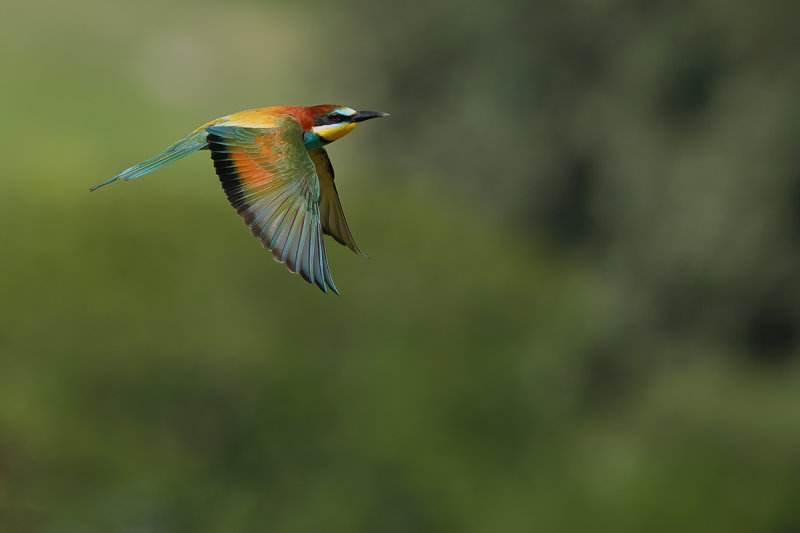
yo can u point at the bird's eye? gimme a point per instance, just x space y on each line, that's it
331 118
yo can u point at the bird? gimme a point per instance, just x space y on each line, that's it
276 173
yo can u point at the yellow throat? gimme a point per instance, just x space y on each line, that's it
332 132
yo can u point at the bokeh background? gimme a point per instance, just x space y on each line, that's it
580 313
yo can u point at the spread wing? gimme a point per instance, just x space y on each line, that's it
330 209
271 182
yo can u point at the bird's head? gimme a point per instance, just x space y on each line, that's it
332 122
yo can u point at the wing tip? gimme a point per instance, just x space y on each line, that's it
324 282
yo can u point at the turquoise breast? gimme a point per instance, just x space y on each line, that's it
313 141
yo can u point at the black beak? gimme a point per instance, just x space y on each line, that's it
361 116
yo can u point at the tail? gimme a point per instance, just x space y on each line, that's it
195 141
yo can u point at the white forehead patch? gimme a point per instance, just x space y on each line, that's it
346 111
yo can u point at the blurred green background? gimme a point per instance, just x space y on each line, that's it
580 313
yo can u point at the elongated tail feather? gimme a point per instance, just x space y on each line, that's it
187 145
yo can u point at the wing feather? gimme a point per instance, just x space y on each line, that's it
331 212
271 181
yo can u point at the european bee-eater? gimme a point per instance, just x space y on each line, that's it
276 173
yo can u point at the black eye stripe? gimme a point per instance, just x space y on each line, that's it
335 118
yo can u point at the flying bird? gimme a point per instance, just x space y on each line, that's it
276 173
